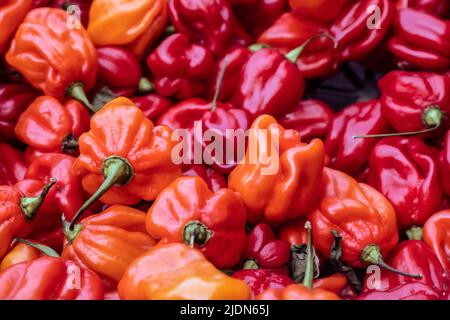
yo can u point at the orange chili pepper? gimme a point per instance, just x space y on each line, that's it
334 283
108 242
436 234
214 222
177 272
12 13
275 196
52 57
135 23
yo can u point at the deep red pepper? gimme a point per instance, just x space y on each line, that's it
444 165
180 68
290 31
263 250
421 40
260 279
346 153
351 29
412 256
436 7
12 165
405 170
409 291
14 99
206 22
213 179
323 10
311 118
153 105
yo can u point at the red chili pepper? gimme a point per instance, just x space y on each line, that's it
444 165
14 99
412 256
311 118
436 234
436 7
323 10
352 32
409 291
12 165
405 170
152 105
260 279
421 40
49 126
346 153
292 30
12 13
263 250
213 179
180 67
206 22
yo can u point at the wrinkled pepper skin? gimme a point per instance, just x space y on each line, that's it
324 10
298 292
180 68
355 39
435 7
206 22
135 24
49 278
176 272
187 209
121 129
42 39
346 153
311 118
412 256
360 214
406 97
109 241
405 171
264 249
12 165
274 195
213 179
292 30
436 234
14 99
421 40
50 126
20 253
260 280
444 165
12 13
152 105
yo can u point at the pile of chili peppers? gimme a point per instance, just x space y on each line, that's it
93 206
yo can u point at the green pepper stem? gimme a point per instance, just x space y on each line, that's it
31 205
221 75
117 171
414 233
145 85
196 232
294 54
309 270
250 264
76 91
42 248
371 254
257 46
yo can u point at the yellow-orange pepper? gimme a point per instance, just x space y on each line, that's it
271 195
134 23
12 13
177 272
20 253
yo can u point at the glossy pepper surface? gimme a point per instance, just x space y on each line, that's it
21 252
324 10
12 165
12 13
405 171
180 68
260 280
51 41
49 278
362 216
152 105
421 40
176 271
122 136
444 165
50 126
346 153
14 99
287 184
414 101
108 242
215 180
436 235
436 7
187 211
134 24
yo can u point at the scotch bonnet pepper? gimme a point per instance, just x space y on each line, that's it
21 252
187 211
405 171
288 186
134 24
323 10
53 58
12 165
436 234
152 105
12 13
213 179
